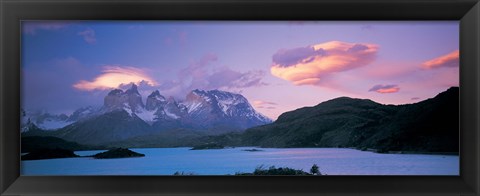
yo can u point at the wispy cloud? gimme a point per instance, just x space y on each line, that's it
264 104
308 65
415 98
88 35
391 88
228 79
448 60
202 74
31 27
114 77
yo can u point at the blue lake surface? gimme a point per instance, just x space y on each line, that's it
166 161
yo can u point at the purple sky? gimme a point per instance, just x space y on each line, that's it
277 66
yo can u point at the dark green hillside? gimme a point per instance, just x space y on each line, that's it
33 143
48 154
430 125
112 126
328 124
162 139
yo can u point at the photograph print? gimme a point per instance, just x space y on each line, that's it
239 98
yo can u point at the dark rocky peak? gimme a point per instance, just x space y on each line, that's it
173 107
155 101
199 92
171 100
116 92
132 90
156 94
130 99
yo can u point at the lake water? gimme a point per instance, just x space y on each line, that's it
166 161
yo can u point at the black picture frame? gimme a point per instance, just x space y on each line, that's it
13 11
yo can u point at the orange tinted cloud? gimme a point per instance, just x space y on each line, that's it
448 60
113 77
308 65
385 88
264 104
388 90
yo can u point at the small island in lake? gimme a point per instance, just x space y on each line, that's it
49 154
117 153
252 150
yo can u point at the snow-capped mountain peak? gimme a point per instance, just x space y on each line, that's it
118 99
221 104
200 110
43 120
82 113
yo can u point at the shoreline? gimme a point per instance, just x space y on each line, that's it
408 152
353 148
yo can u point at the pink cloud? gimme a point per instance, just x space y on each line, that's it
114 77
88 35
448 60
308 65
264 104
31 27
385 88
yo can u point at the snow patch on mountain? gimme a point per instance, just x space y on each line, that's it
171 115
147 116
193 106
127 108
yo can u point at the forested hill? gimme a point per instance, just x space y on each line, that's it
431 125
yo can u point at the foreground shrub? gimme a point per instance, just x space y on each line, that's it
281 171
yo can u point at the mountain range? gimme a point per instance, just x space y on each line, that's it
124 115
217 117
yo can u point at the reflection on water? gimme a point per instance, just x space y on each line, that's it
166 161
